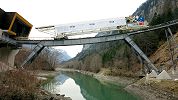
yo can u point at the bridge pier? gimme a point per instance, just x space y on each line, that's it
7 55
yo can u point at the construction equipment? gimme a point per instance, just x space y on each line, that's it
14 24
80 28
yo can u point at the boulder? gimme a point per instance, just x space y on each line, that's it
153 74
163 76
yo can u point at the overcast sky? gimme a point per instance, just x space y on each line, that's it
55 12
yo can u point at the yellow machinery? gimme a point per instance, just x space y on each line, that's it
14 24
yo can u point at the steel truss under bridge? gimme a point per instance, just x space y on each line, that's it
106 38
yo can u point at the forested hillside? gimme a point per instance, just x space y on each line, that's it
164 9
117 56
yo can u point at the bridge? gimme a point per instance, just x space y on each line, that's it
40 44
100 39
91 40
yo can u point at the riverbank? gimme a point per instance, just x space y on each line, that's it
154 89
123 81
25 85
146 90
45 77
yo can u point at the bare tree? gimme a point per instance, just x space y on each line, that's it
53 59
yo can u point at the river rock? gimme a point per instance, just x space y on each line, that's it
163 76
153 74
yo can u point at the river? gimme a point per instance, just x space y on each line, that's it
83 87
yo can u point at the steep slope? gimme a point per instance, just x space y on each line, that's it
117 56
162 56
157 7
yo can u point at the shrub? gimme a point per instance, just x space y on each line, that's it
109 55
17 85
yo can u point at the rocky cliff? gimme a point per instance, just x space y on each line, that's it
157 7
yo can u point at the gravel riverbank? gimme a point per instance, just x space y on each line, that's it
154 89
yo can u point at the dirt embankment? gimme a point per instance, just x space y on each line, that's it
155 89
160 89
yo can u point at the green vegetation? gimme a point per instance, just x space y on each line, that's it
148 42
165 17
176 13
108 55
118 54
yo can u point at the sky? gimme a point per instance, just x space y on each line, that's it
55 12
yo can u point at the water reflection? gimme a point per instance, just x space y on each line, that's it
83 87
63 84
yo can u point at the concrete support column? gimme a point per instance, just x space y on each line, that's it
7 55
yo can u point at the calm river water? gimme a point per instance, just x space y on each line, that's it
83 87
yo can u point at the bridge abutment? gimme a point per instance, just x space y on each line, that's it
7 55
